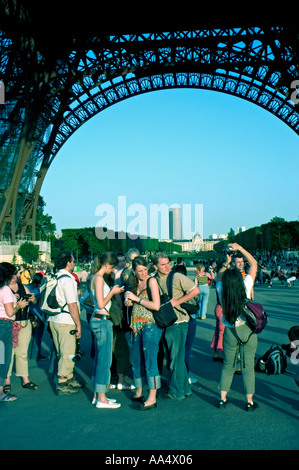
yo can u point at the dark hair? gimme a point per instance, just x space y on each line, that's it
237 254
233 295
62 258
36 280
138 261
133 281
293 333
100 260
180 268
7 271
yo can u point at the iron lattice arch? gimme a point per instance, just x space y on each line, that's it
54 92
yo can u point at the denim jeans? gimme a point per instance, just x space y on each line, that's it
103 332
203 301
5 348
175 336
144 357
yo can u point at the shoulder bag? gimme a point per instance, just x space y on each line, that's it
166 315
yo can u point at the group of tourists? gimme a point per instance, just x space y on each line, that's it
125 334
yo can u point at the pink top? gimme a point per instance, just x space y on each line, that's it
6 297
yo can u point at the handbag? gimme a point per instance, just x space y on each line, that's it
166 315
115 312
256 317
87 300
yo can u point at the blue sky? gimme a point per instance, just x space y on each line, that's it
178 147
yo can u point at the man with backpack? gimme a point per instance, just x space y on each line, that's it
183 290
66 326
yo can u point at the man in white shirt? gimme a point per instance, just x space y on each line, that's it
64 323
236 260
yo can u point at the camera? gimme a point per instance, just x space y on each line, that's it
78 353
26 296
228 251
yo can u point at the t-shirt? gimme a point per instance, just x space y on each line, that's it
181 286
25 276
6 297
66 293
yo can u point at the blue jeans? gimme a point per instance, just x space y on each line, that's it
175 336
103 332
5 349
144 357
203 301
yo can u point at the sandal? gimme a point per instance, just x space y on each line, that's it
7 388
30 385
8 397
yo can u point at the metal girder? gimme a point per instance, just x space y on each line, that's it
50 92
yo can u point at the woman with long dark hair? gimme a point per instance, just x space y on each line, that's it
102 327
232 299
144 352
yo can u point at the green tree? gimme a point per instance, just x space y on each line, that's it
29 252
231 235
44 227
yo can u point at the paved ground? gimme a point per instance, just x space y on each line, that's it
42 420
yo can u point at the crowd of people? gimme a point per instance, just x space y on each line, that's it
125 293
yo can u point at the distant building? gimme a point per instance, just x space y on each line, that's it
9 253
241 229
175 223
197 243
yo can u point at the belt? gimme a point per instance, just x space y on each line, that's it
100 316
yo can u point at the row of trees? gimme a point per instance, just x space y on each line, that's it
84 243
276 235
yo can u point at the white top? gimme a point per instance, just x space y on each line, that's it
106 292
6 297
66 293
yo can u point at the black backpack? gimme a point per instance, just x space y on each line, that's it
273 362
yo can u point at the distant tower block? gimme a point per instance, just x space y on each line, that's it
175 223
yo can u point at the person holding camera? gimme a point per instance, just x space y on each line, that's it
233 288
9 307
235 258
20 351
62 324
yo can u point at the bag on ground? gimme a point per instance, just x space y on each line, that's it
273 362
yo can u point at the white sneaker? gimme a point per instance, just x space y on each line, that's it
192 380
111 400
125 386
109 405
